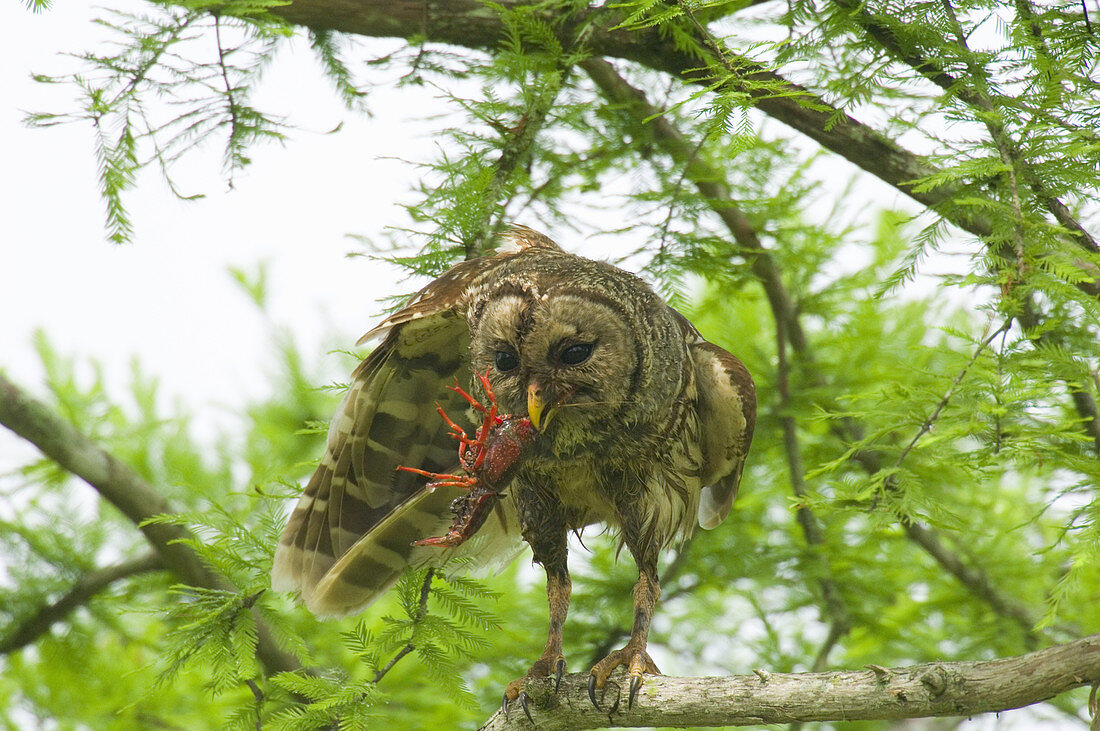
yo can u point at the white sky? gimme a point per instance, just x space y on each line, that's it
168 298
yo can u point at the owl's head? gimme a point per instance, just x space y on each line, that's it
563 344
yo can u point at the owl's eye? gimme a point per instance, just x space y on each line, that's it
576 354
506 361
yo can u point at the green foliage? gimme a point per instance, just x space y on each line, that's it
923 377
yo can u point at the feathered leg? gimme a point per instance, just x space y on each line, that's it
548 544
646 593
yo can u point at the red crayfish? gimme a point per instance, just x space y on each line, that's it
488 460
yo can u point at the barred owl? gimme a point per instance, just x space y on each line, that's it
643 426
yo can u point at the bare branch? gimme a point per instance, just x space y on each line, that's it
122 487
935 415
84 589
916 691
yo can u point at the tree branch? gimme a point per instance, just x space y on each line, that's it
836 608
470 24
916 691
84 589
122 487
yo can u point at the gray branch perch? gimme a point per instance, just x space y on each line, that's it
916 691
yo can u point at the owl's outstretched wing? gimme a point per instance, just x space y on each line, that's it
350 536
726 406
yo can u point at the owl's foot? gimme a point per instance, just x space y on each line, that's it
638 663
541 669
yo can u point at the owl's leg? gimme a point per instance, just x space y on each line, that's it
548 543
634 655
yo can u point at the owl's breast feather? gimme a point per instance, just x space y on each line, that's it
573 481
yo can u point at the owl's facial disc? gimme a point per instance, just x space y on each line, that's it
566 358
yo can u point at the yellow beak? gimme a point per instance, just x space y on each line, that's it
534 404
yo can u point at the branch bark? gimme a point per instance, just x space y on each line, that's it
931 689
122 487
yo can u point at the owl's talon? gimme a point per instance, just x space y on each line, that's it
517 689
508 702
523 705
635 686
592 691
638 663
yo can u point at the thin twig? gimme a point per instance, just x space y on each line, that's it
258 696
933 417
230 98
84 589
421 612
675 196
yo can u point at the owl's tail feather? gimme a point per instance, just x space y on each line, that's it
377 560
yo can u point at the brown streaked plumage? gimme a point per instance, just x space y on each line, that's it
644 426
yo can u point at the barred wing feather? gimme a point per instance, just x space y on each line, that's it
350 537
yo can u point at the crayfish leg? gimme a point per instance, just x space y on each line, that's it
447 541
470 399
